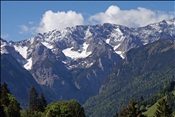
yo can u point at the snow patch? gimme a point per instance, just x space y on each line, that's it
107 41
3 43
28 65
22 50
32 40
3 49
89 65
172 22
88 33
119 31
47 45
120 53
145 43
77 54
115 47
116 35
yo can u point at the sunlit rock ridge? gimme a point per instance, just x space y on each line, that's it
74 62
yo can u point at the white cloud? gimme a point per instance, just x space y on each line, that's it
24 29
59 20
131 18
4 36
27 30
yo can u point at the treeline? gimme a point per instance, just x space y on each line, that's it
163 109
164 101
38 106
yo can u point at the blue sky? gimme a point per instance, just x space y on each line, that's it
21 19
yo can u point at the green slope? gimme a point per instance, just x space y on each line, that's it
151 110
143 73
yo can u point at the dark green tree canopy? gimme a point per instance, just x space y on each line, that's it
43 103
163 109
9 105
4 94
34 102
65 109
131 110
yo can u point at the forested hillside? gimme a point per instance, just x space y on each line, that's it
142 74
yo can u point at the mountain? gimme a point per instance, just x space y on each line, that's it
75 61
19 80
143 72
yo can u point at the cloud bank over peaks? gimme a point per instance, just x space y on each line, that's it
62 19
59 20
131 18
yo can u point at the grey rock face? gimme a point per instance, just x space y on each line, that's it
73 63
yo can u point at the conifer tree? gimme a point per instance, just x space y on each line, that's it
13 109
43 103
4 95
2 112
163 109
9 105
33 102
131 110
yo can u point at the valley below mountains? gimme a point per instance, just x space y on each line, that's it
101 66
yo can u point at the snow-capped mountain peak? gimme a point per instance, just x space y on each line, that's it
3 44
78 59
73 43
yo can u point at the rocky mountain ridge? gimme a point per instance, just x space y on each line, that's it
74 62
